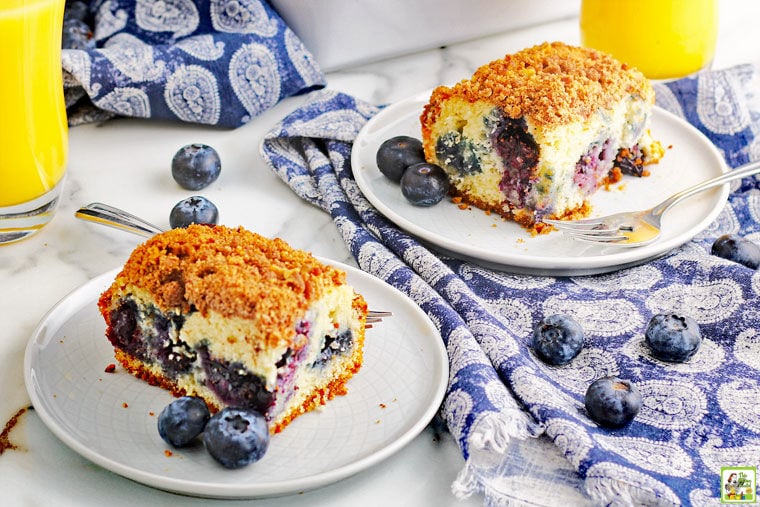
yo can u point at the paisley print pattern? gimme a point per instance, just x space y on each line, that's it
127 102
109 19
133 58
696 416
251 73
216 63
242 16
177 16
202 47
192 93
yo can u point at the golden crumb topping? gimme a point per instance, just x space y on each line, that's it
231 271
552 83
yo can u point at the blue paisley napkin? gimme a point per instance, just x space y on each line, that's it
696 417
217 62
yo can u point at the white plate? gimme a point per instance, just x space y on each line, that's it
110 418
473 235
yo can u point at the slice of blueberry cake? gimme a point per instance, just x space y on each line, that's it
237 319
535 134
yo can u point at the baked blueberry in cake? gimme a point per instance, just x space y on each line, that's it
236 319
535 134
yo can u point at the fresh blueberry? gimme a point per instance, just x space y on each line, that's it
424 184
737 249
236 437
673 338
612 401
193 210
398 153
196 166
557 339
182 420
77 35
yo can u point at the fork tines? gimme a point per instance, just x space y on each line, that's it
589 230
586 224
373 317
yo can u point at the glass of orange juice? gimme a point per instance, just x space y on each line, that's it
33 124
664 39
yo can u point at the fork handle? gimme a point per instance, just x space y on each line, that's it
117 218
740 172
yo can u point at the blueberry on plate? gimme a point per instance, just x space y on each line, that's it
737 249
196 166
557 339
236 437
398 153
612 402
424 184
182 420
672 338
193 210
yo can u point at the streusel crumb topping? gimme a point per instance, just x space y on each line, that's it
232 271
551 84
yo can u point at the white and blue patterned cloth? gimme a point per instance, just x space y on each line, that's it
214 62
696 417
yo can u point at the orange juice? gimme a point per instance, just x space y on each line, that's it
664 39
33 127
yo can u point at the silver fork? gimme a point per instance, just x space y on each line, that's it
111 216
638 228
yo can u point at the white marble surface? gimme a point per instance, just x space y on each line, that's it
126 163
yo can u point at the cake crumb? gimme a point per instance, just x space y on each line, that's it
5 441
125 405
383 405
110 368
168 453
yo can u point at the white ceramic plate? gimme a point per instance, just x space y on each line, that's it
110 418
473 235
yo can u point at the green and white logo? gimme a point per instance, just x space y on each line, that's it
738 485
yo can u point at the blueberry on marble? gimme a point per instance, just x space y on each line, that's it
193 210
672 338
424 184
612 402
557 339
236 437
196 166
182 420
398 153
737 249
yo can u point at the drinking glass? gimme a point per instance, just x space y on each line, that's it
33 124
664 39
